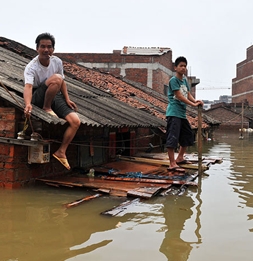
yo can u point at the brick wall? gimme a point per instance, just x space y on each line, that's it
140 74
9 160
250 53
144 138
242 85
135 66
15 171
160 79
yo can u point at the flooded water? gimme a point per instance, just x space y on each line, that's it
211 222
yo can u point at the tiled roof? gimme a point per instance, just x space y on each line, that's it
136 96
96 107
102 99
118 89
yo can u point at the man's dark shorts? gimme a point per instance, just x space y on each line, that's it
178 132
59 105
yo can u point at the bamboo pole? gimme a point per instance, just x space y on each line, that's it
199 139
241 135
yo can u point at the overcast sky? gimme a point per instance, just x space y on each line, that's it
212 34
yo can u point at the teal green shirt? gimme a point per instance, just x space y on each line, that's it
175 107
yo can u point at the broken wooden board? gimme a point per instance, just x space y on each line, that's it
193 157
153 181
120 208
123 186
134 169
127 179
121 167
112 187
146 192
164 162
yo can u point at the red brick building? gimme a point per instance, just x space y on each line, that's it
116 117
230 115
151 67
242 84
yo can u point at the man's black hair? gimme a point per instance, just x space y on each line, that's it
179 60
44 36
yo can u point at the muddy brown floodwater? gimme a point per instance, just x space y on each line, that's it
211 222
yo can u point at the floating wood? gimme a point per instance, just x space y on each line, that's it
79 201
120 208
157 181
164 162
193 166
52 184
146 192
193 157
146 160
60 182
113 188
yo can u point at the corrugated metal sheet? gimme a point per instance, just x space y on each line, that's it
95 107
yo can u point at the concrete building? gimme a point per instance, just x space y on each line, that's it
150 66
242 84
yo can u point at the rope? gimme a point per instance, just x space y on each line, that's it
100 146
20 105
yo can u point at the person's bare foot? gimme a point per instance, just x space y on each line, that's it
51 112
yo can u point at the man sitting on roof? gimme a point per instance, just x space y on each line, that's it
45 87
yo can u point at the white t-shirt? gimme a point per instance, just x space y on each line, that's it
35 73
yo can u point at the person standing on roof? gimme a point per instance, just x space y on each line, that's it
178 128
45 87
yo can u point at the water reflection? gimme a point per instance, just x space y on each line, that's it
211 222
242 166
37 227
176 212
136 236
228 194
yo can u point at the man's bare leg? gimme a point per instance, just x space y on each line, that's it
180 156
54 84
171 155
74 123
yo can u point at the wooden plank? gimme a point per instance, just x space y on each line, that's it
121 167
161 162
150 181
193 166
118 192
51 181
191 157
146 160
124 186
52 184
146 192
120 208
107 191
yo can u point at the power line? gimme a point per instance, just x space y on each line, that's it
212 88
